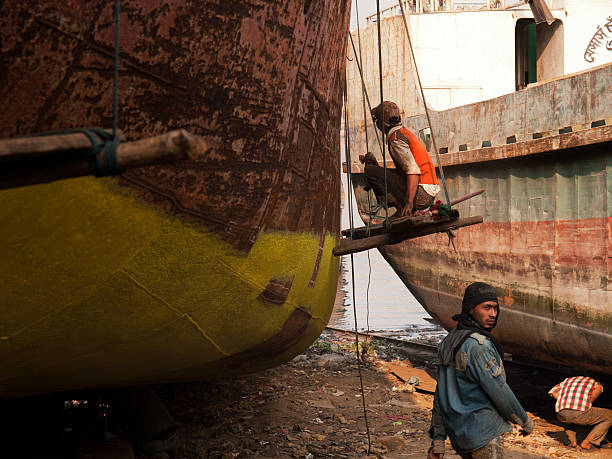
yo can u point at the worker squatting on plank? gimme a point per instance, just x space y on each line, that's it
413 185
575 397
473 404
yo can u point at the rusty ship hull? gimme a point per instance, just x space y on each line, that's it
544 157
182 271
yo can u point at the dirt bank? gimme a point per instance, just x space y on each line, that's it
311 407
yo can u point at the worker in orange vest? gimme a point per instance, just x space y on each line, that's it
413 184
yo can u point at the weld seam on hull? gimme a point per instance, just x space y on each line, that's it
173 309
42 319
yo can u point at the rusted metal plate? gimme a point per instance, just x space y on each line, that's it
405 371
544 245
256 99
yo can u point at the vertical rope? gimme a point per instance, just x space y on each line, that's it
433 137
347 153
368 294
348 173
116 70
365 127
363 89
365 415
382 111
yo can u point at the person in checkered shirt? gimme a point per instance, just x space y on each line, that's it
575 397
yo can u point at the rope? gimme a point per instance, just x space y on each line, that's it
365 126
99 139
363 89
116 71
347 152
382 111
433 137
368 294
110 149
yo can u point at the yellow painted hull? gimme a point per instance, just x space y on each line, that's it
100 290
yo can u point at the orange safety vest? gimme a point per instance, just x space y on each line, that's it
428 171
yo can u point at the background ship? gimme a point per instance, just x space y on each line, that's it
182 271
541 147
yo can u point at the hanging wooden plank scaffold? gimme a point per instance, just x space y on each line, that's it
394 230
403 228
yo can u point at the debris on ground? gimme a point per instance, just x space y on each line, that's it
311 407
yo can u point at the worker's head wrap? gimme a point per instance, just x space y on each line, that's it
476 293
389 111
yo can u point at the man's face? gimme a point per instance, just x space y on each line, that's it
485 314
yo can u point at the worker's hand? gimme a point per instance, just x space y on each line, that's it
527 427
407 210
432 455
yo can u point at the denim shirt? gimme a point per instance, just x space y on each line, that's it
473 403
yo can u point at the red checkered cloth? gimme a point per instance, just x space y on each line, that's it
574 393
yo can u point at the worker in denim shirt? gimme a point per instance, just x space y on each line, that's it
473 404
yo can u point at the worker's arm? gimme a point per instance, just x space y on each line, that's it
487 369
401 152
554 392
596 392
437 431
412 183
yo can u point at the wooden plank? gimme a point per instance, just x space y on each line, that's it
398 225
347 246
376 229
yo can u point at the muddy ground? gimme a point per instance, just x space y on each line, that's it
311 407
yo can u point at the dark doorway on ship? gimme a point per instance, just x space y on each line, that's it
538 51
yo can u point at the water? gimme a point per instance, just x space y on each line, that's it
386 306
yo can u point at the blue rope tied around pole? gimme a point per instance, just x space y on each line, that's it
110 148
99 139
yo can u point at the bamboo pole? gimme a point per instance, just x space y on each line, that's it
466 197
32 160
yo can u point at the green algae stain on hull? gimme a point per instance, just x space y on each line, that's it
117 292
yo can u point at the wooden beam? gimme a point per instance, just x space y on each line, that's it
409 222
347 246
32 160
397 225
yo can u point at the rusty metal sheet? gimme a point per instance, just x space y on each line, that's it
247 97
405 371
